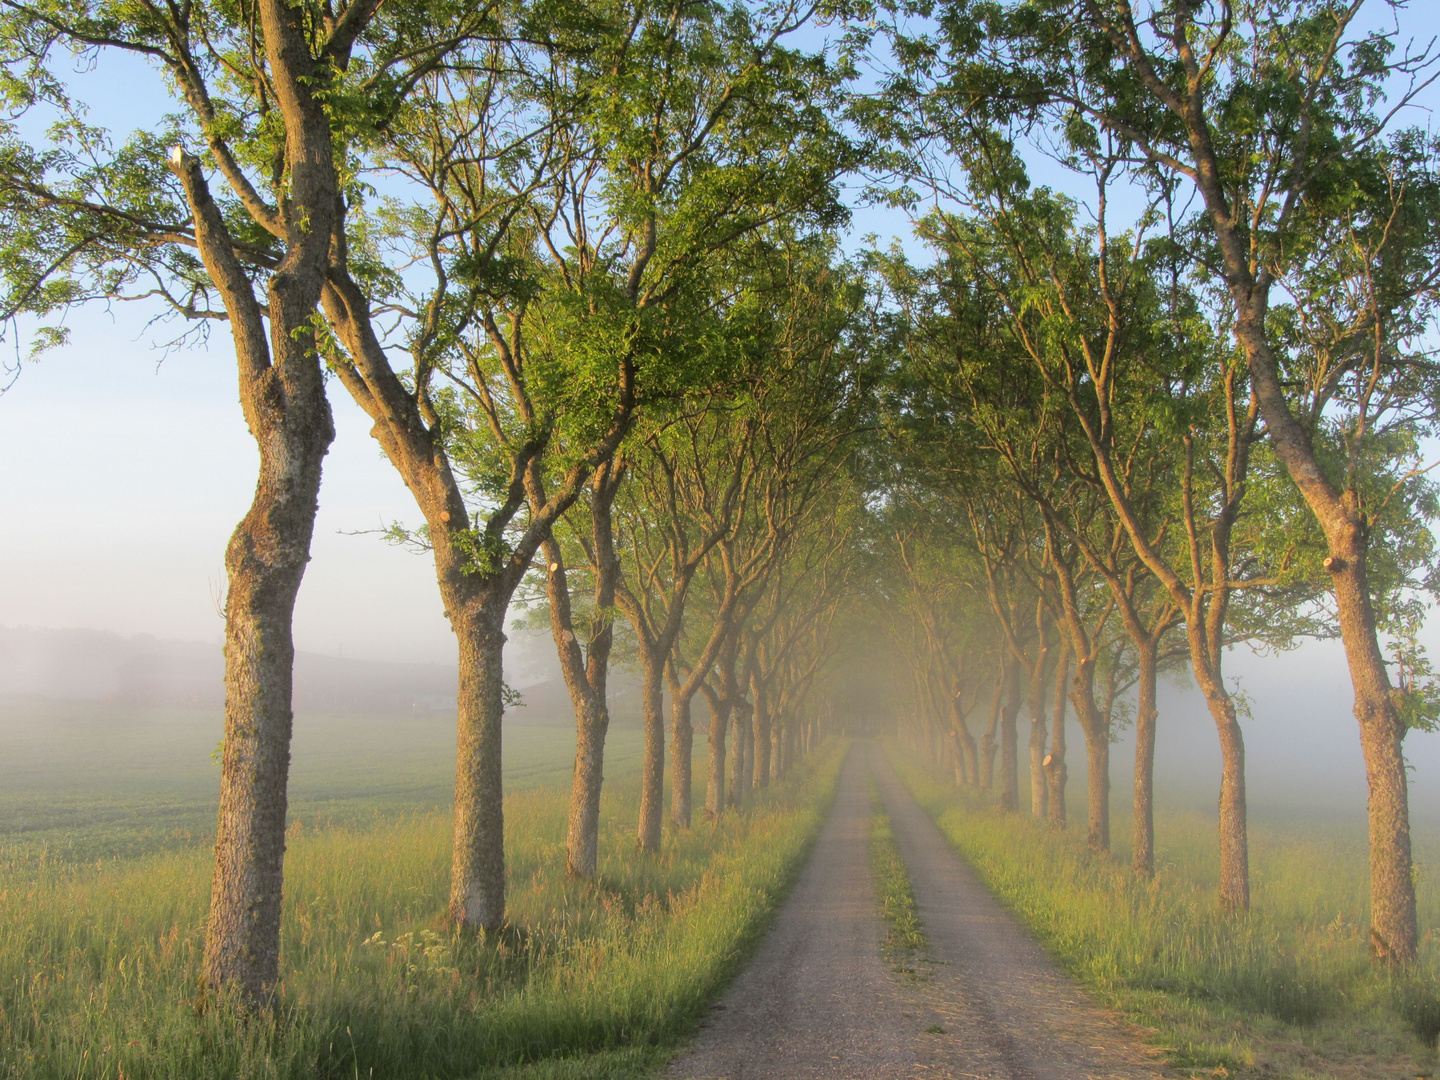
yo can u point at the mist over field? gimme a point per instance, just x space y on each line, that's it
76 705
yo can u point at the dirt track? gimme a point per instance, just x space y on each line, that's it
820 1001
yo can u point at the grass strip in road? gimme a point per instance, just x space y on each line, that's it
904 945
99 968
1284 992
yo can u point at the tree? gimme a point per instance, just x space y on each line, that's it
710 130
690 486
275 96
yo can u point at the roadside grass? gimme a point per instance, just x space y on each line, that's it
1285 991
99 963
904 945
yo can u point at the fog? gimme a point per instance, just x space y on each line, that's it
1302 743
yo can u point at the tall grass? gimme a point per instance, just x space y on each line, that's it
1284 990
98 968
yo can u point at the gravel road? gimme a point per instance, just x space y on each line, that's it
819 1001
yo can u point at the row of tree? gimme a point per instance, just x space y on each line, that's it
578 264
574 262
1181 406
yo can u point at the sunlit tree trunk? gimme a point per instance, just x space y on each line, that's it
1055 771
283 398
682 740
477 870
1143 846
1039 790
1097 754
652 767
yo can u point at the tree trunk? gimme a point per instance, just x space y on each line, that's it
1143 847
682 738
968 770
585 673
715 786
1234 843
582 836
477 872
761 733
1009 743
988 745
1055 771
1392 889
652 770
1097 761
742 760
1039 790
1039 786
265 562
282 394
1393 924
1097 755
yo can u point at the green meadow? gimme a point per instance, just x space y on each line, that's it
104 882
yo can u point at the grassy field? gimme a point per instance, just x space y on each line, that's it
83 781
99 946
1283 992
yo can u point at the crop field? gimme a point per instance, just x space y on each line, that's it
104 883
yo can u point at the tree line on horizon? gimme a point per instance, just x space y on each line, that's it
583 267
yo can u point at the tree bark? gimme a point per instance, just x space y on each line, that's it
1097 755
682 739
1039 790
282 395
720 707
1055 771
968 770
761 733
265 562
652 769
742 759
1097 777
586 673
1234 841
582 833
1039 787
1009 742
988 745
477 869
1142 855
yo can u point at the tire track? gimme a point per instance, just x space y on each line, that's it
819 1001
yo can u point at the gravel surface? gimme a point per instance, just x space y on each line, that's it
820 1001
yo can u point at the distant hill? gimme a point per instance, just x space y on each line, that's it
96 665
